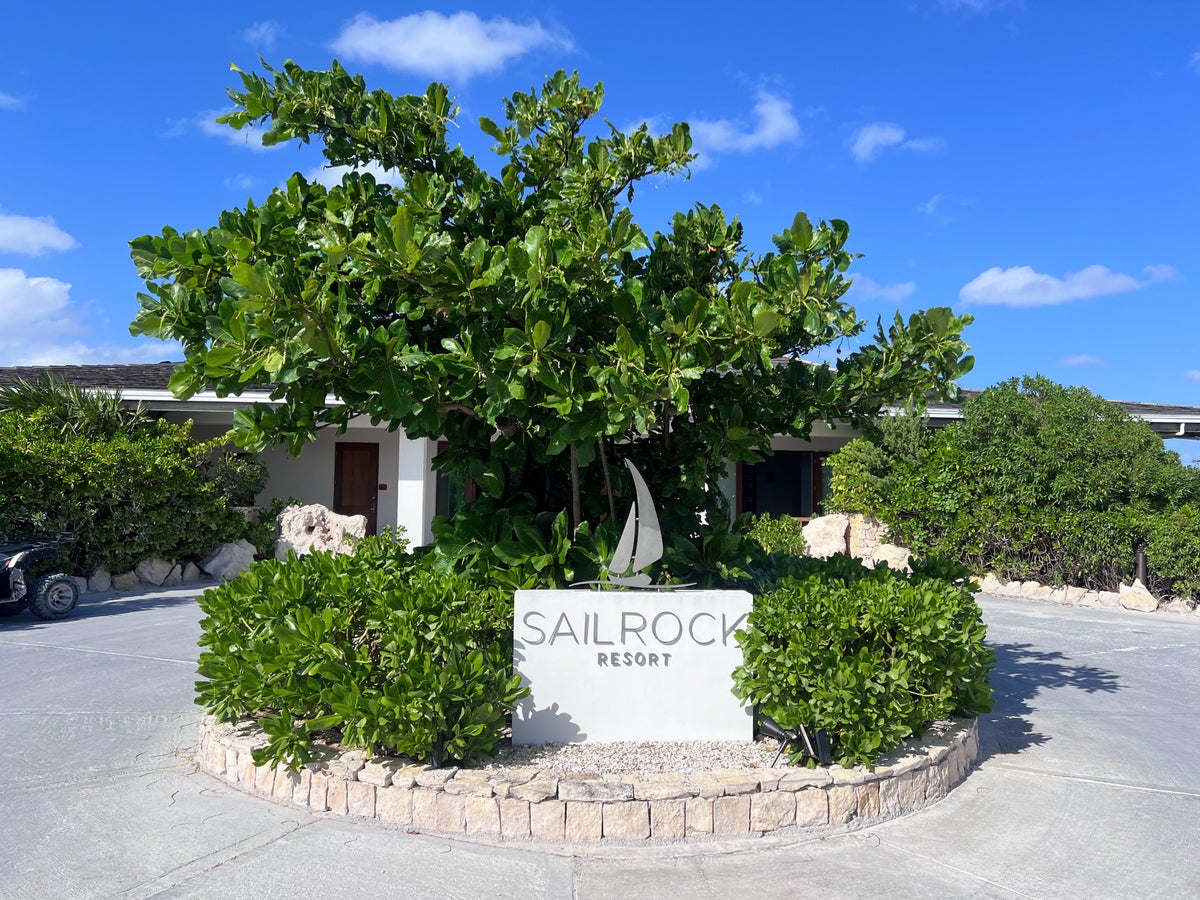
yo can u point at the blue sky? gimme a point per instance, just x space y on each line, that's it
1033 163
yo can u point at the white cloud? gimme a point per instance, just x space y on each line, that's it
1021 286
76 353
264 34
8 101
930 206
438 46
249 137
870 289
871 140
332 175
40 325
1192 375
32 236
240 182
774 124
925 145
27 302
1081 359
1160 273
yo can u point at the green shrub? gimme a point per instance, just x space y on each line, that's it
238 476
1037 482
262 528
778 534
127 494
1173 552
869 655
393 652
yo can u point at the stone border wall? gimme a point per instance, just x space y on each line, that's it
528 803
1134 597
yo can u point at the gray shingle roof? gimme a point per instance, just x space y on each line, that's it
137 376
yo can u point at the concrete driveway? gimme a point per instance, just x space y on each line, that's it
1089 787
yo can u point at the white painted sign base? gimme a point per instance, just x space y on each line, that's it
616 665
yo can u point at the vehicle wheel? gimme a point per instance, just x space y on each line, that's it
9 609
54 597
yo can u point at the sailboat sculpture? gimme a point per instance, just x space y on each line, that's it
640 544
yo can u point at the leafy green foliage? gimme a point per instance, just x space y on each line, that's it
394 652
1173 552
779 534
262 527
523 314
515 549
1039 482
240 477
126 495
71 409
870 655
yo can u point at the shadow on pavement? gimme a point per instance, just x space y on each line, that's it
1021 673
92 606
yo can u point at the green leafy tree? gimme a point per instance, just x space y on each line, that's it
1038 481
521 314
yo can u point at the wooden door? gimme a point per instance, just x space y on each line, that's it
356 481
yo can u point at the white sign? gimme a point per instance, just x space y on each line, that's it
629 666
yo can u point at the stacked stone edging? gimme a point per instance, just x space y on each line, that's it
1132 597
529 803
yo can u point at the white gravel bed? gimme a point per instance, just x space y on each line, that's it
639 757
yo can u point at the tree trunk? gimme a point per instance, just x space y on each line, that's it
576 505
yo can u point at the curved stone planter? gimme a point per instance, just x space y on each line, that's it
525 803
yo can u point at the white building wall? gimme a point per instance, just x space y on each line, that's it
416 488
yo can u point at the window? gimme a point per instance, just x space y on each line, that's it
788 483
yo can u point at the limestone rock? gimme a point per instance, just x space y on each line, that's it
866 533
125 581
153 570
1108 599
191 572
174 577
1136 596
990 584
1179 605
1039 591
1075 595
306 529
895 556
826 535
80 583
229 560
100 580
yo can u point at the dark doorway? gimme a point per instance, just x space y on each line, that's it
787 483
356 481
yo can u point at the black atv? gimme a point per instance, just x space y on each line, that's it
51 596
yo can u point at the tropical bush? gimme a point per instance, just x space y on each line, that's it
778 534
126 484
1173 552
238 476
71 409
390 650
125 495
1038 481
870 655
